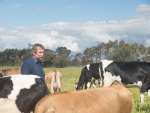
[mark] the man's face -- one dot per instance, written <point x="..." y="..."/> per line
<point x="40" y="53"/>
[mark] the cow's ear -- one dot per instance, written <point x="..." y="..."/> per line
<point x="139" y="78"/>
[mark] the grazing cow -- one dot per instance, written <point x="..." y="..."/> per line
<point x="53" y="79"/>
<point x="127" y="73"/>
<point x="112" y="99"/>
<point x="10" y="71"/>
<point x="145" y="78"/>
<point x="90" y="73"/>
<point x="21" y="93"/>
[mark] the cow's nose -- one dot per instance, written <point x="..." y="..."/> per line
<point x="142" y="90"/>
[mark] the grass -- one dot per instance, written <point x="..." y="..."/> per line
<point x="70" y="76"/>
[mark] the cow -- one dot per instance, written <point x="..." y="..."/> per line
<point x="111" y="99"/>
<point x="145" y="78"/>
<point x="53" y="80"/>
<point x="10" y="71"/>
<point x="21" y="93"/>
<point x="127" y="73"/>
<point x="90" y="73"/>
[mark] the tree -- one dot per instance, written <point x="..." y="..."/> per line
<point x="2" y="58"/>
<point x="99" y="51"/>
<point x="77" y="59"/>
<point x="60" y="61"/>
<point x="48" y="58"/>
<point x="134" y="51"/>
<point x="147" y="57"/>
<point x="142" y="51"/>
<point x="62" y="51"/>
<point x="121" y="54"/>
<point x="110" y="47"/>
<point x="122" y="43"/>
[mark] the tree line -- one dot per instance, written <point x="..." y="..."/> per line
<point x="112" y="50"/>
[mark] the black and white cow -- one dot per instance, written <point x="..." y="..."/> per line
<point x="21" y="93"/>
<point x="127" y="73"/>
<point x="89" y="74"/>
<point x="145" y="78"/>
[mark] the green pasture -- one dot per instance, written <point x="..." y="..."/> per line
<point x="70" y="76"/>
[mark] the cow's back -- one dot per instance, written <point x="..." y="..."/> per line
<point x="113" y="99"/>
<point x="21" y="91"/>
<point x="11" y="71"/>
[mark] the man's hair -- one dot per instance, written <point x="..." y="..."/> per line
<point x="34" y="48"/>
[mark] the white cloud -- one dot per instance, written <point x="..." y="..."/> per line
<point x="142" y="10"/>
<point x="79" y="36"/>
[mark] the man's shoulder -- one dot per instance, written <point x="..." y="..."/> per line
<point x="28" y="61"/>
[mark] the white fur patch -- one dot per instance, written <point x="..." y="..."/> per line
<point x="148" y="93"/>
<point x="142" y="97"/>
<point x="105" y="63"/>
<point x="88" y="66"/>
<point x="52" y="83"/>
<point x="139" y="83"/>
<point x="88" y="85"/>
<point x="58" y="81"/>
<point x="109" y="79"/>
<point x="8" y="106"/>
<point x="21" y="82"/>
<point x="101" y="79"/>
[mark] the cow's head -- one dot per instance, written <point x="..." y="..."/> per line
<point x="145" y="78"/>
<point x="78" y="87"/>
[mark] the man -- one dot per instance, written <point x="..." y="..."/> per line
<point x="33" y="65"/>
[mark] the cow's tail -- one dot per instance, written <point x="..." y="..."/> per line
<point x="58" y="80"/>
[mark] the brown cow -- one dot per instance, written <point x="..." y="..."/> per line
<point x="111" y="99"/>
<point x="53" y="79"/>
<point x="10" y="71"/>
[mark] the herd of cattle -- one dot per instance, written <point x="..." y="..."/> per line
<point x="31" y="94"/>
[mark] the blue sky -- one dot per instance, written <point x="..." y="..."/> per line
<point x="75" y="24"/>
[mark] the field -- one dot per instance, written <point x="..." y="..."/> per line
<point x="71" y="76"/>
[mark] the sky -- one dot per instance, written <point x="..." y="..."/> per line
<point x="74" y="24"/>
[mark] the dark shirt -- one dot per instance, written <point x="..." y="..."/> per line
<point x="32" y="66"/>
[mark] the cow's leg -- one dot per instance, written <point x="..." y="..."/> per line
<point x="88" y="85"/>
<point x="93" y="83"/>
<point x="100" y="82"/>
<point x="142" y="96"/>
<point x="85" y="85"/>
